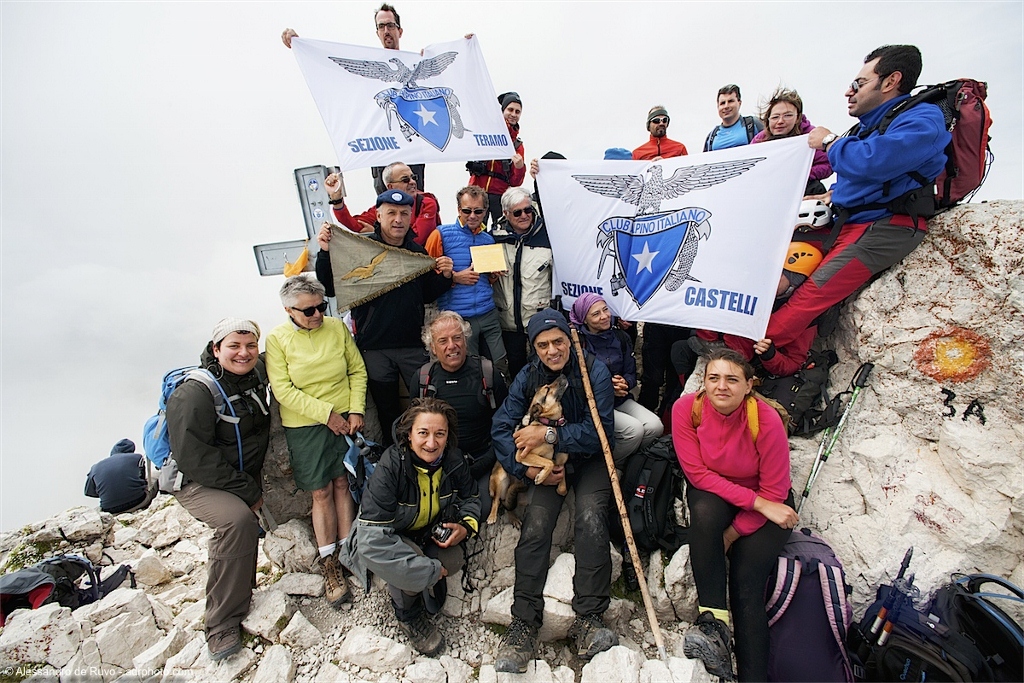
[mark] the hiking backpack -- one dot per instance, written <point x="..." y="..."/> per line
<point x="652" y="482"/>
<point x="360" y="461"/>
<point x="805" y="394"/>
<point x="959" y="636"/>
<point x="809" y="614"/>
<point x="57" y="580"/>
<point x="155" y="439"/>
<point x="427" y="387"/>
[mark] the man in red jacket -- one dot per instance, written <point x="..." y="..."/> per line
<point x="397" y="176"/>
<point x="659" y="146"/>
<point x="497" y="175"/>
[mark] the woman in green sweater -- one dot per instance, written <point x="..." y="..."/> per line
<point x="319" y="378"/>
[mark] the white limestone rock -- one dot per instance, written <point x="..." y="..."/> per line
<point x="295" y="583"/>
<point x="270" y="613"/>
<point x="276" y="666"/>
<point x="151" y="570"/>
<point x="46" y="635"/>
<point x="329" y="673"/>
<point x="426" y="671"/>
<point x="497" y="609"/>
<point x="76" y="525"/>
<point x="680" y="586"/>
<point x="164" y="527"/>
<point x="456" y="670"/>
<point x="369" y="650"/>
<point x="560" y="576"/>
<point x="688" y="671"/>
<point x="225" y="670"/>
<point x="558" y="617"/>
<point x="617" y="665"/>
<point x="300" y="633"/>
<point x="292" y="547"/>
<point x="656" y="585"/>
<point x="157" y="655"/>
<point x="81" y="666"/>
<point x="126" y="636"/>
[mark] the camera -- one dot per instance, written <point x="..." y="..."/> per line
<point x="476" y="167"/>
<point x="440" y="533"/>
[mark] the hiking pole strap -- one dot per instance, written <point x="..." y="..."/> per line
<point x="627" y="528"/>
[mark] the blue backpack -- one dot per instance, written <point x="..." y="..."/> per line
<point x="155" y="440"/>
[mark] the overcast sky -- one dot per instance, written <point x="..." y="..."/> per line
<point x="147" y="146"/>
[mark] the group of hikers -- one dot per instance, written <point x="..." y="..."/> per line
<point x="474" y="366"/>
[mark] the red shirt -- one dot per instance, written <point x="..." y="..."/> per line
<point x="423" y="223"/>
<point x="659" y="147"/>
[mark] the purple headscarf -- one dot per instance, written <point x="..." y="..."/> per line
<point x="582" y="306"/>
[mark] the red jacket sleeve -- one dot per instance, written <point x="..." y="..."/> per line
<point x="519" y="174"/>
<point x="355" y="224"/>
<point x="426" y="221"/>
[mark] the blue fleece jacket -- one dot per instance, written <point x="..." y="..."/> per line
<point x="914" y="141"/>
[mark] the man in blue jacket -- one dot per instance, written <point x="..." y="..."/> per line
<point x="120" y="481"/>
<point x="884" y="187"/>
<point x="585" y="472"/>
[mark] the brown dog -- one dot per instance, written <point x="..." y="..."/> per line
<point x="545" y="409"/>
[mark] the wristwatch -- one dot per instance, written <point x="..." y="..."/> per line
<point x="828" y="140"/>
<point x="551" y="436"/>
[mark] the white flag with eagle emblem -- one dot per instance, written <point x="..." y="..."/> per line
<point x="382" y="106"/>
<point x="696" y="241"/>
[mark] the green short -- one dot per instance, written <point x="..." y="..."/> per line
<point x="316" y="455"/>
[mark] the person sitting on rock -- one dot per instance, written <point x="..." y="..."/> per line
<point x="419" y="504"/>
<point x="740" y="504"/>
<point x="221" y="464"/>
<point x="120" y="481"/>
<point x="585" y="472"/>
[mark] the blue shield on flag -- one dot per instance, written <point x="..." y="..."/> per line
<point x="425" y="110"/>
<point x="646" y="247"/>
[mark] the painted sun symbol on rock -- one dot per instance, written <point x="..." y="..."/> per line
<point x="954" y="354"/>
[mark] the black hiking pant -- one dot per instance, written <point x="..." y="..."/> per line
<point x="751" y="560"/>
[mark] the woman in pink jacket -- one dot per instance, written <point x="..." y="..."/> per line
<point x="735" y="454"/>
<point x="783" y="117"/>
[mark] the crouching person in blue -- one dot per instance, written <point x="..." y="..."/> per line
<point x="585" y="472"/>
<point x="221" y="463"/>
<point x="419" y="505"/>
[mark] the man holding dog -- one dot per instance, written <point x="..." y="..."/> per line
<point x="585" y="472"/>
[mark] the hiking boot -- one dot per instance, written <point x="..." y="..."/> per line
<point x="708" y="641"/>
<point x="336" y="589"/>
<point x="591" y="636"/>
<point x="423" y="634"/>
<point x="517" y="647"/>
<point x="223" y="644"/>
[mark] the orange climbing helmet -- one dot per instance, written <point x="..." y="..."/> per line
<point x="803" y="258"/>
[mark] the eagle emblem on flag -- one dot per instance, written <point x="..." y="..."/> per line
<point x="654" y="247"/>
<point x="429" y="113"/>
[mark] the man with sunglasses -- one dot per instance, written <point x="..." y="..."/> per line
<point x="388" y="327"/>
<point x="884" y="188"/>
<point x="397" y="176"/>
<point x="659" y="146"/>
<point x="525" y="287"/>
<point x="735" y="130"/>
<point x="471" y="295"/>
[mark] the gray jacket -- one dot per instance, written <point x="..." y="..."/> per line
<point x="390" y="512"/>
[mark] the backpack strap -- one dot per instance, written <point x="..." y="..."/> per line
<point x="221" y="402"/>
<point x="427" y="387"/>
<point x="748" y="123"/>
<point x="753" y="420"/>
<point x="787" y="577"/>
<point x="838" y="609"/>
<point x="487" y="368"/>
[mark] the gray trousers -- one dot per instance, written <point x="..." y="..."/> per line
<point x="231" y="570"/>
<point x="408" y="604"/>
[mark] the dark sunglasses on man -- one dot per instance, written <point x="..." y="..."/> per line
<point x="475" y="212"/>
<point x="528" y="210"/>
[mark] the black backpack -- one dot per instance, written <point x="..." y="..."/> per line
<point x="960" y="636"/>
<point x="653" y="480"/>
<point x="805" y="394"/>
<point x="70" y="580"/>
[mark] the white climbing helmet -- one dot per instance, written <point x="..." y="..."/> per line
<point x="813" y="214"/>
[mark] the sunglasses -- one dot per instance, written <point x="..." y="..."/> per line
<point x="519" y="212"/>
<point x="475" y="212"/>
<point x="308" y="312"/>
<point x="857" y="84"/>
<point x="660" y="120"/>
<point x="407" y="178"/>
<point x="384" y="26"/>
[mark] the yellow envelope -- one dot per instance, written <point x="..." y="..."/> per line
<point x="489" y="258"/>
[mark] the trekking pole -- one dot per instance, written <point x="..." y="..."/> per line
<point x="623" y="515"/>
<point x="891" y="600"/>
<point x="831" y="436"/>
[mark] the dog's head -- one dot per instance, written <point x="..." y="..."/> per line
<point x="547" y="401"/>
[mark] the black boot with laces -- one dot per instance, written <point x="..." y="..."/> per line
<point x="518" y="647"/>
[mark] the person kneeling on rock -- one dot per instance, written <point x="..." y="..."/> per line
<point x="419" y="504"/>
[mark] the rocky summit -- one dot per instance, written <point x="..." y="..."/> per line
<point x="931" y="456"/>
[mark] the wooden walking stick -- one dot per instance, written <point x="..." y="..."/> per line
<point x="623" y="515"/>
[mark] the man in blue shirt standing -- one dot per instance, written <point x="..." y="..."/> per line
<point x="735" y="130"/>
<point x="884" y="187"/>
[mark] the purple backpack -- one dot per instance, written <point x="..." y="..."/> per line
<point x="808" y="613"/>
